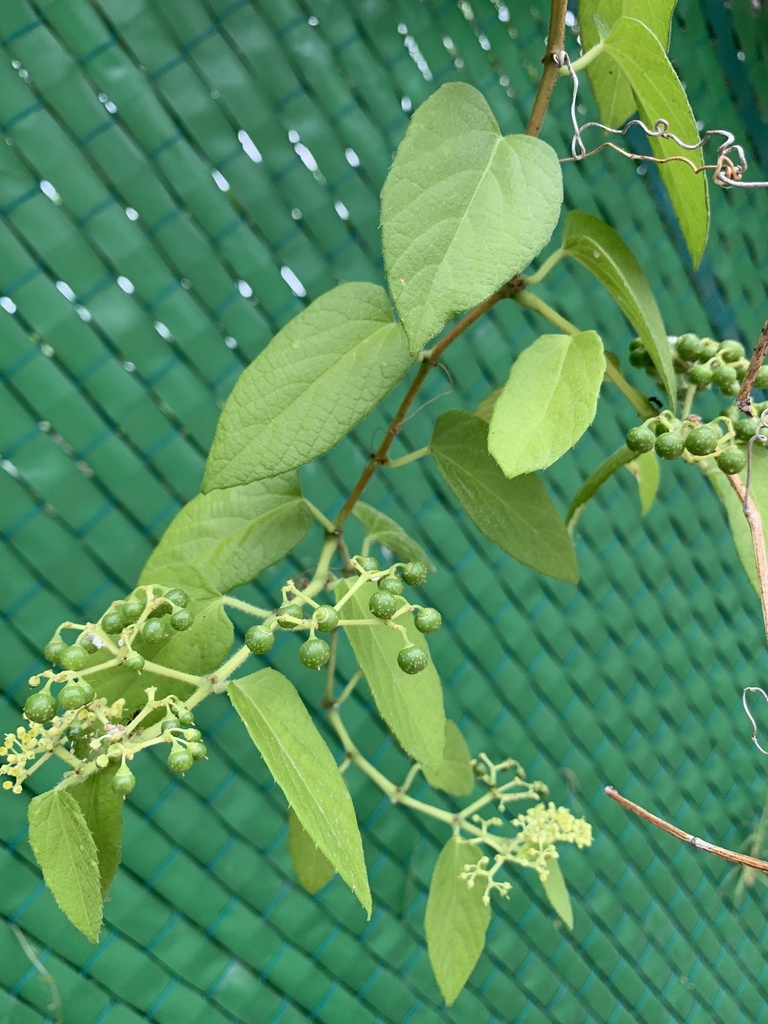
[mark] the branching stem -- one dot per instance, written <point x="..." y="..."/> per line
<point x="551" y="62"/>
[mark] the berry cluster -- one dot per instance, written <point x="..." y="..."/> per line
<point x="703" y="363"/>
<point x="721" y="440"/>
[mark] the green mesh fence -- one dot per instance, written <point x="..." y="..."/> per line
<point x="176" y="180"/>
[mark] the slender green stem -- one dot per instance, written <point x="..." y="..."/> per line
<point x="323" y="519"/>
<point x="172" y="673"/>
<point x="551" y="62"/>
<point x="690" y="394"/>
<point x="319" y="580"/>
<point x="529" y="300"/>
<point x="245" y="606"/>
<point x="220" y="679"/>
<point x="584" y="60"/>
<point x="405" y="459"/>
<point x="544" y="269"/>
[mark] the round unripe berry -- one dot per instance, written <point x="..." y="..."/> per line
<point x="295" y="612"/>
<point x="392" y="585"/>
<point x="160" y="607"/>
<point x="85" y="641"/>
<point x="731" y="390"/>
<point x="382" y="604"/>
<point x="168" y="724"/>
<point x="314" y="653"/>
<point x="259" y="640"/>
<point x="745" y="429"/>
<point x="731" y="460"/>
<point x="180" y="760"/>
<point x="131" y="610"/>
<point x="75" y="694"/>
<point x="639" y="358"/>
<point x="415" y="573"/>
<point x="761" y="380"/>
<point x="135" y="663"/>
<point x="702" y="440"/>
<point x="428" y="620"/>
<point x="74" y="658"/>
<point x="669" y="446"/>
<point x="722" y="376"/>
<point x="177" y="597"/>
<point x="181" y="620"/>
<point x="700" y="376"/>
<point x="688" y="347"/>
<point x="198" y="751"/>
<point x="53" y="650"/>
<point x="640" y="439"/>
<point x="709" y="348"/>
<point x="326" y="618"/>
<point x="124" y="782"/>
<point x="112" y="623"/>
<point x="153" y="632"/>
<point x="730" y="351"/>
<point x="412" y="660"/>
<point x="41" y="707"/>
<point x="186" y="718"/>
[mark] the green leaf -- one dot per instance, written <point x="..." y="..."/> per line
<point x="232" y="535"/>
<point x="463" y="209"/>
<point x="556" y="892"/>
<point x="456" y="919"/>
<point x="601" y="250"/>
<point x="312" y="867"/>
<point x="517" y="515"/>
<point x="198" y="650"/>
<point x="387" y="532"/>
<point x="660" y="94"/>
<point x="549" y="400"/>
<point x="611" y="89"/>
<point x="102" y="809"/>
<point x="304" y="768"/>
<point x="412" y="706"/>
<point x="645" y="469"/>
<point x="65" y="850"/>
<point x="596" y="480"/>
<point x="453" y="774"/>
<point x="758" y="490"/>
<point x="326" y="370"/>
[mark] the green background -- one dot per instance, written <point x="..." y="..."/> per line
<point x="177" y="179"/>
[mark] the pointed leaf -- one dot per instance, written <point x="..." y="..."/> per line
<point x="304" y="768"/>
<point x="611" y="89"/>
<point x="601" y="250"/>
<point x="660" y="94"/>
<point x="453" y="774"/>
<point x="102" y="809"/>
<point x="312" y="867"/>
<point x="557" y="893"/>
<point x="65" y="850"/>
<point x="645" y="469"/>
<point x="232" y="535"/>
<point x="596" y="480"/>
<point x="456" y="919"/>
<point x="758" y="490"/>
<point x="517" y="515"/>
<point x="463" y="209"/>
<point x="549" y="400"/>
<point x="412" y="706"/>
<point x="326" y="370"/>
<point x="391" y="535"/>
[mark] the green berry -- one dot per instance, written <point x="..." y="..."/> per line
<point x="198" y="751"/>
<point x="41" y="707"/>
<point x="186" y="718"/>
<point x="182" y="619"/>
<point x="75" y="694"/>
<point x="382" y="604"/>
<point x="428" y="620"/>
<point x="722" y="376"/>
<point x="415" y="573"/>
<point x="732" y="389"/>
<point x="412" y="660"/>
<point x="669" y="446"/>
<point x="761" y="380"/>
<point x="326" y="618"/>
<point x="131" y="610"/>
<point x="180" y="760"/>
<point x="53" y="650"/>
<point x="124" y="782"/>
<point x="135" y="663"/>
<point x="702" y="440"/>
<point x="168" y="724"/>
<point x="160" y="607"/>
<point x="391" y="584"/>
<point x="369" y="564"/>
<point x="259" y="640"/>
<point x="688" y="347"/>
<point x="640" y="439"/>
<point x="709" y="348"/>
<point x="153" y="632"/>
<point x="294" y="610"/>
<point x="640" y="359"/>
<point x="112" y="622"/>
<point x="314" y="653"/>
<point x="193" y="735"/>
<point x="177" y="597"/>
<point x="82" y="750"/>
<point x="745" y="429"/>
<point x="85" y="641"/>
<point x="74" y="658"/>
<point x="701" y="376"/>
<point x="730" y="351"/>
<point x="731" y="460"/>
